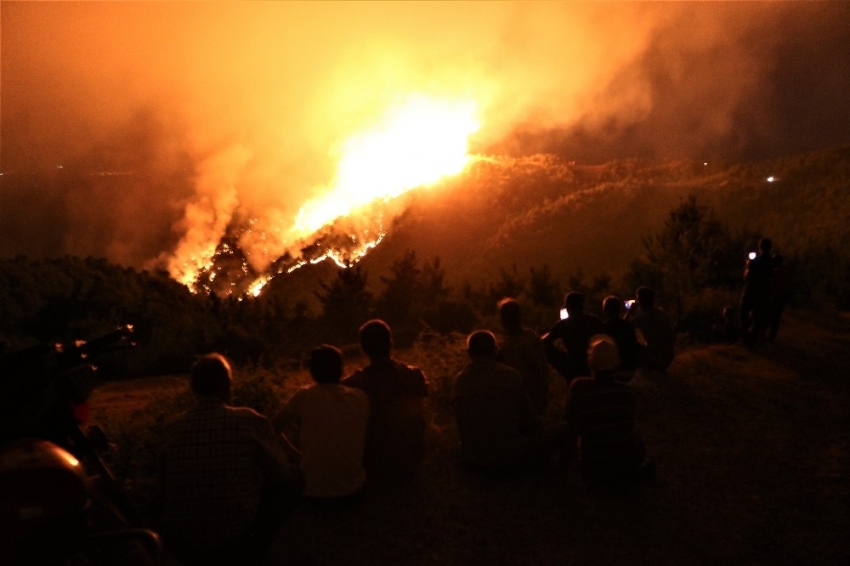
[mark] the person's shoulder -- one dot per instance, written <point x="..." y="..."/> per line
<point x="505" y="376"/>
<point x="356" y="379"/>
<point x="348" y="391"/>
<point x="560" y="326"/>
<point x="302" y="394"/>
<point x="412" y="374"/>
<point x="246" y="414"/>
<point x="407" y="368"/>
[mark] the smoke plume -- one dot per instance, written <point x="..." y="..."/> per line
<point x="147" y="132"/>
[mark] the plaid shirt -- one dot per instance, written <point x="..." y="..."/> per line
<point x="214" y="463"/>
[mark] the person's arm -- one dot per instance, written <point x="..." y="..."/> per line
<point x="287" y="416"/>
<point x="550" y="337"/>
<point x="276" y="454"/>
<point x="284" y="420"/>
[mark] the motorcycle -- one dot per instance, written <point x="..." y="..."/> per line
<point x="59" y="502"/>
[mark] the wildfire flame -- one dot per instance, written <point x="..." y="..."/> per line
<point x="416" y="144"/>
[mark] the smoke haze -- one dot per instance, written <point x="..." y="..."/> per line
<point x="172" y="120"/>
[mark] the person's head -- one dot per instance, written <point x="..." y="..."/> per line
<point x="574" y="302"/>
<point x="326" y="364"/>
<point x="510" y="314"/>
<point x="481" y="344"/>
<point x="602" y="354"/>
<point x="211" y="377"/>
<point x="612" y="306"/>
<point x="376" y="339"/>
<point x="765" y="246"/>
<point x="645" y="297"/>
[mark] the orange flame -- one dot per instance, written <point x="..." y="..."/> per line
<point x="416" y="144"/>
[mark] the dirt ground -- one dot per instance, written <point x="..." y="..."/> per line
<point x="752" y="457"/>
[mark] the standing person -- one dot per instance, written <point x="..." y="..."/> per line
<point x="523" y="350"/>
<point x="330" y="422"/>
<point x="656" y="329"/>
<point x="573" y="333"/>
<point x="395" y="438"/>
<point x="498" y="429"/>
<point x="755" y="300"/>
<point x="600" y="411"/>
<point x="623" y="333"/>
<point x="778" y="297"/>
<point x="224" y="475"/>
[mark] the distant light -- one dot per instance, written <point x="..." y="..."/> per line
<point x="771" y="179"/>
<point x="705" y="164"/>
<point x="60" y="166"/>
<point x="752" y="255"/>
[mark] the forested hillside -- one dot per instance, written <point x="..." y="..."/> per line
<point x="533" y="228"/>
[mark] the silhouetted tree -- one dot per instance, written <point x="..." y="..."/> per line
<point x="692" y="252"/>
<point x="346" y="303"/>
<point x="401" y="290"/>
<point x="510" y="283"/>
<point x="543" y="289"/>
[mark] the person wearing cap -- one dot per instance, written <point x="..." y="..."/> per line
<point x="600" y="411"/>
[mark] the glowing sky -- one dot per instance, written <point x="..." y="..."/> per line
<point x="199" y="111"/>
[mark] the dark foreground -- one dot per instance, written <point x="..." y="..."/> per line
<point x="752" y="456"/>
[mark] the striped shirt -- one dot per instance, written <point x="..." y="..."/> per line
<point x="215" y="461"/>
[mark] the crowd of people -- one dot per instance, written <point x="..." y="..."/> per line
<point x="228" y="475"/>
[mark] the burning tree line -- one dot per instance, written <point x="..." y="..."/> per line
<point x="693" y="260"/>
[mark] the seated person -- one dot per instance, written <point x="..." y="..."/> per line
<point x="224" y="475"/>
<point x="330" y="422"/>
<point x="523" y="350"/>
<point x="600" y="412"/>
<point x="573" y="333"/>
<point x="498" y="429"/>
<point x="623" y="333"/>
<point x="656" y="329"/>
<point x="395" y="437"/>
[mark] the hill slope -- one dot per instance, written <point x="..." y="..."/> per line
<point x="538" y="210"/>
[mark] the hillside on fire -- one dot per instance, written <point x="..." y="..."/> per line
<point x="592" y="219"/>
<point x="531" y="227"/>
